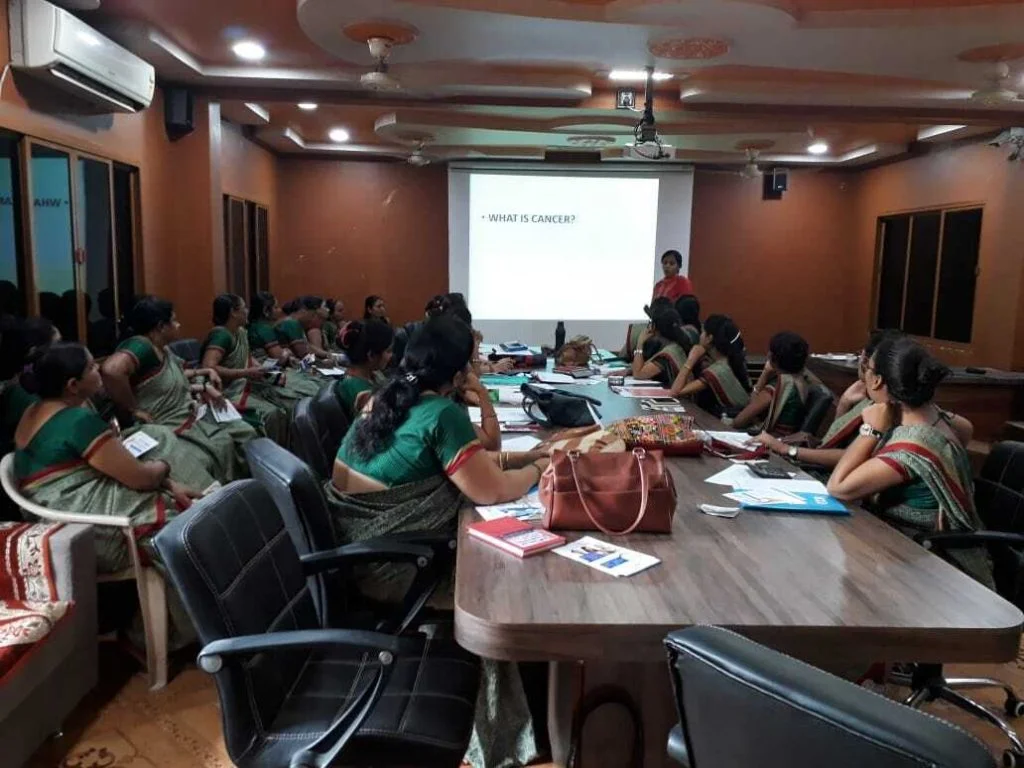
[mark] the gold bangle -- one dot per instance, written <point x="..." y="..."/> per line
<point x="502" y="456"/>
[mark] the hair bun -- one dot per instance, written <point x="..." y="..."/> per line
<point x="931" y="373"/>
<point x="350" y="334"/>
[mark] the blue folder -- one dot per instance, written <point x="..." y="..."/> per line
<point x="814" y="504"/>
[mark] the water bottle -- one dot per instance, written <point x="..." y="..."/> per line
<point x="559" y="335"/>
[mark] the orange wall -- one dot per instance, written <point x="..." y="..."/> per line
<point x="352" y="228"/>
<point x="967" y="175"/>
<point x="775" y="265"/>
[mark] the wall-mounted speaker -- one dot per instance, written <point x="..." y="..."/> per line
<point x="776" y="181"/>
<point x="179" y="112"/>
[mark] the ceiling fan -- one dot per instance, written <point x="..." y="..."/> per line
<point x="418" y="158"/>
<point x="379" y="79"/>
<point x="999" y="87"/>
<point x="751" y="169"/>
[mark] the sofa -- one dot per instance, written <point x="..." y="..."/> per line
<point x="42" y="681"/>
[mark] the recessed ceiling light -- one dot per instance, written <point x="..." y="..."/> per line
<point x="309" y="106"/>
<point x="818" y="148"/>
<point x="636" y="74"/>
<point x="339" y="135"/>
<point x="249" y="50"/>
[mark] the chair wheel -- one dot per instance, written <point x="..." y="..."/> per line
<point x="1012" y="759"/>
<point x="1014" y="707"/>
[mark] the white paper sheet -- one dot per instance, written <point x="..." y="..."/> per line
<point x="508" y="395"/>
<point x="605" y="557"/>
<point x="139" y="443"/>
<point x="739" y="440"/>
<point x="332" y="371"/>
<point x="739" y="477"/>
<point x="528" y="508"/>
<point x="506" y="415"/>
<point x="520" y="443"/>
<point x="225" y="412"/>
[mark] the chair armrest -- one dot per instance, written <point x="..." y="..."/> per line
<point x="211" y="656"/>
<point x="378" y="550"/>
<point x="677" y="747"/>
<point x="326" y="749"/>
<point x="943" y="541"/>
<point x="443" y="544"/>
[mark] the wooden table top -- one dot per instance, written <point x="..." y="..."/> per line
<point x="826" y="589"/>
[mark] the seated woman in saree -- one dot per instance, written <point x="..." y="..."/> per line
<point x="661" y="361"/>
<point x="374" y="308"/>
<point x="407" y="464"/>
<point x="19" y="339"/>
<point x="226" y="351"/>
<point x="367" y="344"/>
<point x="317" y="308"/>
<point x="913" y="454"/>
<point x="294" y="384"/>
<point x="635" y="330"/>
<point x="145" y="379"/>
<point x="715" y="372"/>
<point x="335" y="319"/>
<point x="782" y="404"/>
<point x="688" y="308"/>
<point x="68" y="458"/>
<point x="829" y="450"/>
<point x="301" y="315"/>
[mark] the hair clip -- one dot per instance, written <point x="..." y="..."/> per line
<point x="735" y="338"/>
<point x="412" y="378"/>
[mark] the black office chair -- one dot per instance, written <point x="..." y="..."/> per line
<point x="741" y="704"/>
<point x="299" y="497"/>
<point x="819" y="402"/>
<point x="188" y="350"/>
<point x="331" y="418"/>
<point x="292" y="693"/>
<point x="309" y="439"/>
<point x="999" y="498"/>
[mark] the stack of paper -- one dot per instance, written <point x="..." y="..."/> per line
<point x="607" y="558"/>
<point x="139" y="443"/>
<point x="331" y="371"/>
<point x="740" y="477"/>
<point x="739" y="440"/>
<point x="548" y="377"/>
<point x="793" y="495"/>
<point x="528" y="508"/>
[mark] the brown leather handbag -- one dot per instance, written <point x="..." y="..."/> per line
<point x="615" y="493"/>
<point x="576" y="351"/>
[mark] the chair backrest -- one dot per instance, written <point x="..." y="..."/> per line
<point x="187" y="349"/>
<point x="300" y="500"/>
<point x="306" y="442"/>
<point x="743" y="704"/>
<point x="999" y="499"/>
<point x="237" y="572"/>
<point x="332" y="420"/>
<point x="819" y="401"/>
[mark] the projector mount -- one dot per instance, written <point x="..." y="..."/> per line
<point x="646" y="131"/>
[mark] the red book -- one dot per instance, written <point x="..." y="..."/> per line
<point x="515" y="537"/>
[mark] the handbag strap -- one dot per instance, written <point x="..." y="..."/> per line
<point x="639" y="454"/>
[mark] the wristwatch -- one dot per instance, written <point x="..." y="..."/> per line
<point x="866" y="430"/>
<point x="792" y="452"/>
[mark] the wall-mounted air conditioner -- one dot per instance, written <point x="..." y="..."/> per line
<point x="51" y="43"/>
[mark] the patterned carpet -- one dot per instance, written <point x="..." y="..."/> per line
<point x="122" y="725"/>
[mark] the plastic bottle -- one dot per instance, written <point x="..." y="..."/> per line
<point x="559" y="335"/>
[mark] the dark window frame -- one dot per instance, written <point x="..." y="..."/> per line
<point x="907" y="219"/>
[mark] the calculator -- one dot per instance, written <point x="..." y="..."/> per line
<point x="770" y="472"/>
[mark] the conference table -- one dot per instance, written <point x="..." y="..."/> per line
<point x="840" y="592"/>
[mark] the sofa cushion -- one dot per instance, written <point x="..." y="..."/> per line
<point x="23" y="625"/>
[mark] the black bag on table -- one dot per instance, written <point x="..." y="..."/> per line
<point x="557" y="407"/>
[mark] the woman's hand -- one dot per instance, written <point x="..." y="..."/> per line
<point x="183" y="495"/>
<point x="878" y="416"/>
<point x="211" y="394"/>
<point x="255" y="373"/>
<point x="697" y="353"/>
<point x="143" y="416"/>
<point x="504" y="365"/>
<point x="214" y="378"/>
<point x="772" y="443"/>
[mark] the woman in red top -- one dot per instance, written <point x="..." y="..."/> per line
<point x="674" y="285"/>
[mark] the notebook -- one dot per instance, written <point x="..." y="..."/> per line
<point x="789" y="501"/>
<point x="514" y="536"/>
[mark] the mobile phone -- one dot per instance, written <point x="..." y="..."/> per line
<point x="715" y="511"/>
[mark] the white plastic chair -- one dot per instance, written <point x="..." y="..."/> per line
<point x="149" y="582"/>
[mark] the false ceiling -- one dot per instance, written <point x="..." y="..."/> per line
<point x="517" y="78"/>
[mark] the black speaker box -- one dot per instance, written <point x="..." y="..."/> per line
<point x="179" y="112"/>
<point x="776" y="181"/>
